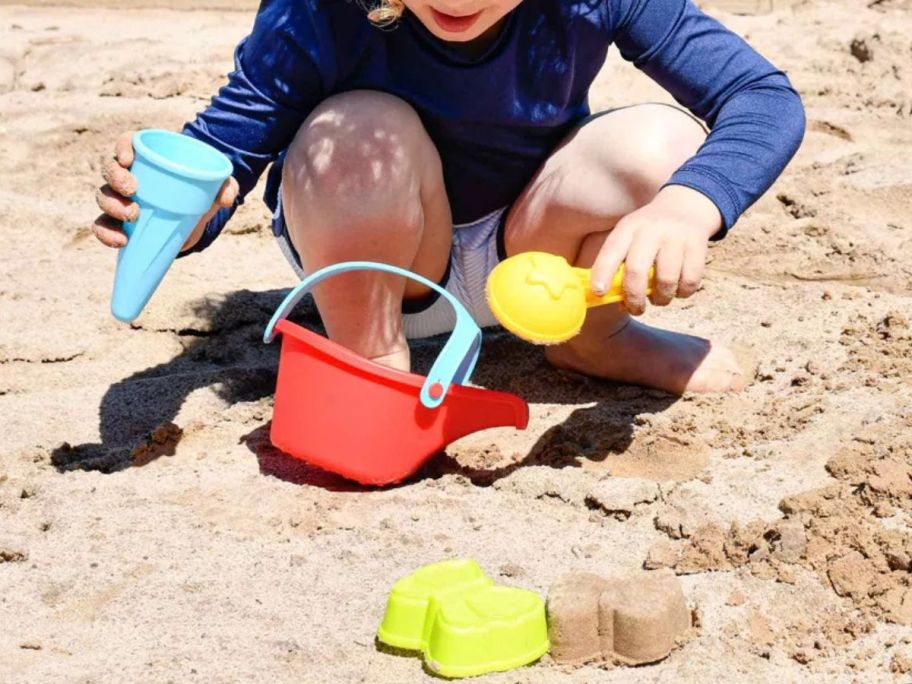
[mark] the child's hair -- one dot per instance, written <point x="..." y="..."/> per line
<point x="385" y="12"/>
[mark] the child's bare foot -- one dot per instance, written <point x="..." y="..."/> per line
<point x="616" y="347"/>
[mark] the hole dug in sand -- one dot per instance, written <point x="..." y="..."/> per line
<point x="629" y="621"/>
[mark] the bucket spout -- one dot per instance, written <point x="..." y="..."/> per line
<point x="471" y="410"/>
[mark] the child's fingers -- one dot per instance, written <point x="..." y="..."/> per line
<point x="640" y="259"/>
<point x="121" y="181"/>
<point x="692" y="270"/>
<point x="109" y="231"/>
<point x="669" y="263"/>
<point x="116" y="205"/>
<point x="228" y="193"/>
<point x="610" y="257"/>
<point x="123" y="150"/>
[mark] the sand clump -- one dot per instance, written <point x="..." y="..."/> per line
<point x="880" y="349"/>
<point x="620" y="497"/>
<point x="837" y="531"/>
<point x="13" y="555"/>
<point x="162" y="441"/>
<point x="630" y="620"/>
<point x="901" y="664"/>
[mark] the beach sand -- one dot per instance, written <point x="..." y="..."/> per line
<point x="149" y="532"/>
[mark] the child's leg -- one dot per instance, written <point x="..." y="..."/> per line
<point x="363" y="181"/>
<point x="610" y="166"/>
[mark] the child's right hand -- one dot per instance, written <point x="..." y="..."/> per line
<point x="114" y="198"/>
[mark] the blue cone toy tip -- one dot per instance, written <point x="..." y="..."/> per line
<point x="178" y="179"/>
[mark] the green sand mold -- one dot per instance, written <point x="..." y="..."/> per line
<point x="462" y="623"/>
<point x="406" y="623"/>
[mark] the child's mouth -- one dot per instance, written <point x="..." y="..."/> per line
<point x="453" y="24"/>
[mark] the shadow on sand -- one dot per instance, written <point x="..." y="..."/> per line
<point x="226" y="353"/>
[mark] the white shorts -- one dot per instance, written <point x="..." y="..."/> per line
<point x="477" y="249"/>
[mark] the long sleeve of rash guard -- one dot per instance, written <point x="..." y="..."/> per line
<point x="755" y="117"/>
<point x="279" y="76"/>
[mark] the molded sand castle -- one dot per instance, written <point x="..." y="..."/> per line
<point x="630" y="620"/>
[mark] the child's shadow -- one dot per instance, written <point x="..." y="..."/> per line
<point x="227" y="353"/>
<point x="601" y="426"/>
<point x="224" y="351"/>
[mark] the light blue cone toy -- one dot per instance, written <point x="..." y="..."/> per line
<point x="179" y="178"/>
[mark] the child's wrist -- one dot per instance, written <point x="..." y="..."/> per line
<point x="692" y="207"/>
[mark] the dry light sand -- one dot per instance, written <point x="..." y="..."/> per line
<point x="148" y="532"/>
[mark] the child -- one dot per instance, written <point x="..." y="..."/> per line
<point x="443" y="135"/>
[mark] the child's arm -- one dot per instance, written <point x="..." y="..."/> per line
<point x="757" y="123"/>
<point x="279" y="77"/>
<point x="253" y="118"/>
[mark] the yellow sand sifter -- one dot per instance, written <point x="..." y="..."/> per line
<point x="543" y="299"/>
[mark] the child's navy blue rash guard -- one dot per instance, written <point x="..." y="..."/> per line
<point x="495" y="118"/>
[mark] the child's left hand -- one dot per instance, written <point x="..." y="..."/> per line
<point x="672" y="232"/>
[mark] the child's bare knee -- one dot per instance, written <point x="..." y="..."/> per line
<point x="666" y="138"/>
<point x="361" y="154"/>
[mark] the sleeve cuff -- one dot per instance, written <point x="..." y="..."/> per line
<point x="715" y="187"/>
<point x="211" y="231"/>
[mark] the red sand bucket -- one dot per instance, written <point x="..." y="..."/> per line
<point x="372" y="424"/>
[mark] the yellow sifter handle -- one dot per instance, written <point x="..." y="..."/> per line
<point x="615" y="292"/>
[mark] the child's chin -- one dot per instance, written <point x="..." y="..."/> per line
<point x="466" y="37"/>
<point x="461" y="38"/>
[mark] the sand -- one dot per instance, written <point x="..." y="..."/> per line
<point x="149" y="532"/>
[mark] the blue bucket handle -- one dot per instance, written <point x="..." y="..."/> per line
<point x="456" y="360"/>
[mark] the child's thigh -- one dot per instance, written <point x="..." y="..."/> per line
<point x="610" y="165"/>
